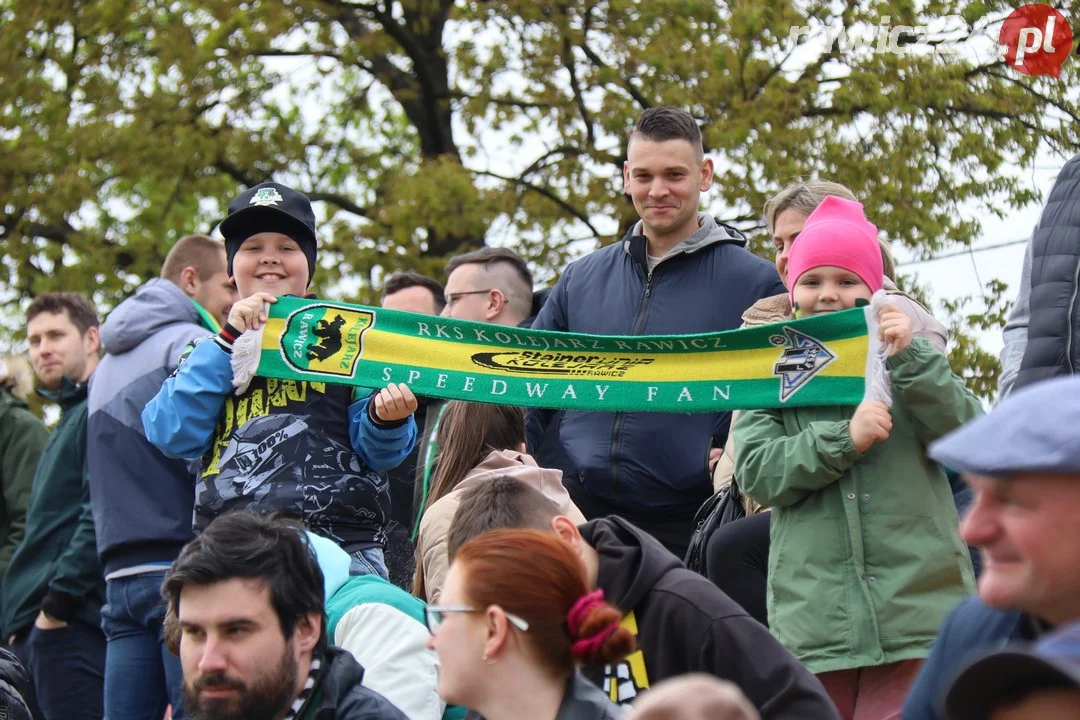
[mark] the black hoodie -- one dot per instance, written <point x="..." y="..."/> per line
<point x="686" y="624"/>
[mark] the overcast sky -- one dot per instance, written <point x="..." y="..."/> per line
<point x="959" y="276"/>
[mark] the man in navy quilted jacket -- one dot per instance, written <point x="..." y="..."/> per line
<point x="676" y="272"/>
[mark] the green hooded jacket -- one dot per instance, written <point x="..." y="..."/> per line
<point x="22" y="436"/>
<point x="866" y="560"/>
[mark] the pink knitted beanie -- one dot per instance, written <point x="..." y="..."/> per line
<point x="837" y="233"/>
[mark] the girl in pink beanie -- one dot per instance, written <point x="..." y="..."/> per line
<point x="865" y="558"/>
<point x="837" y="240"/>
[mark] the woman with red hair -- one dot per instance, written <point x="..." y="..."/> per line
<point x="515" y="618"/>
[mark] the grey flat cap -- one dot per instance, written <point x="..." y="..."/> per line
<point x="1036" y="429"/>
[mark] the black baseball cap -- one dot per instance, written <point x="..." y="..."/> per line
<point x="270" y="207"/>
<point x="1008" y="676"/>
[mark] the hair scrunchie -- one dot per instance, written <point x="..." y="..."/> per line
<point x="584" y="648"/>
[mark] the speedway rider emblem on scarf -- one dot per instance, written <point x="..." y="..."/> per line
<point x="833" y="359"/>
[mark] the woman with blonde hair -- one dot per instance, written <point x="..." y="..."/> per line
<point x="515" y="621"/>
<point x="477" y="442"/>
<point x="22" y="437"/>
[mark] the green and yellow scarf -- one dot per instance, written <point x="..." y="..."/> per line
<point x="833" y="359"/>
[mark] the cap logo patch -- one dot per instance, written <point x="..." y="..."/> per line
<point x="267" y="196"/>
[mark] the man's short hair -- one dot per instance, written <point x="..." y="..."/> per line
<point x="501" y="503"/>
<point x="494" y="256"/>
<point x="410" y="278"/>
<point x="511" y="267"/>
<point x="201" y="252"/>
<point x="78" y="308"/>
<point x="668" y="123"/>
<point x="251" y="546"/>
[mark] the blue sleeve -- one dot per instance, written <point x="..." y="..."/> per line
<point x="924" y="697"/>
<point x="180" y="419"/>
<point x="774" y="284"/>
<point x="553" y="315"/>
<point x="381" y="447"/>
<point x="766" y="281"/>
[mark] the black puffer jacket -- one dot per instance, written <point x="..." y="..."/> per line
<point x="13" y="683"/>
<point x="341" y="695"/>
<point x="1053" y="339"/>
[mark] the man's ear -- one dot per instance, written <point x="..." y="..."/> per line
<point x="306" y="632"/>
<point x="496" y="302"/>
<point x="189" y="281"/>
<point x="92" y="339"/>
<point x="626" y="176"/>
<point x="565" y="528"/>
<point x="706" y="174"/>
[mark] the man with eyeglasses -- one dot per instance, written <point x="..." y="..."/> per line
<point x="494" y="285"/>
<point x="490" y="285"/>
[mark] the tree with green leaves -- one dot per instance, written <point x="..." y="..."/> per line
<point x="422" y="128"/>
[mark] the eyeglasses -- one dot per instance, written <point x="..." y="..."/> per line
<point x="452" y="298"/>
<point x="433" y="616"/>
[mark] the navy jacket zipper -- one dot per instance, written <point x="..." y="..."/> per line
<point x="639" y="324"/>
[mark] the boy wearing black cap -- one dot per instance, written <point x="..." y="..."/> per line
<point x="307" y="449"/>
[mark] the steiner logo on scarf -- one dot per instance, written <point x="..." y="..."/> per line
<point x="325" y="338"/>
<point x="530" y="362"/>
<point x="833" y="359"/>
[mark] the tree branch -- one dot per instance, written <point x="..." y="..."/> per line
<point x="341" y="201"/>
<point x="315" y="196"/>
<point x="501" y="101"/>
<point x="561" y="150"/>
<point x="60" y="233"/>
<point x="271" y="52"/>
<point x="1049" y="101"/>
<point x="831" y="54"/>
<point x="235" y="173"/>
<point x="570" y="63"/>
<point x="595" y="59"/>
<point x="545" y="193"/>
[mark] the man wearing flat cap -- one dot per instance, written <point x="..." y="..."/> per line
<point x="1042" y="682"/>
<point x="1023" y="462"/>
